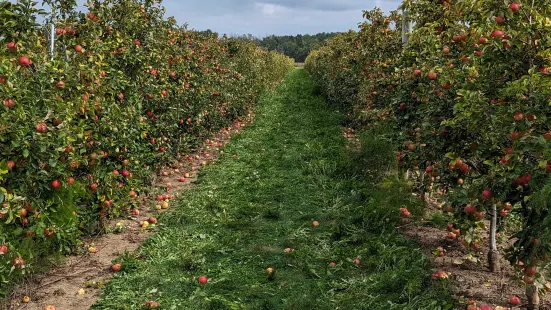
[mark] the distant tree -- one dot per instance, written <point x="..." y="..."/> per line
<point x="298" y="46"/>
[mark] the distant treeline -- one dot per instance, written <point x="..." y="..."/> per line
<point x="297" y="46"/>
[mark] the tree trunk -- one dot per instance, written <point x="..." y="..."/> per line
<point x="533" y="297"/>
<point x="493" y="254"/>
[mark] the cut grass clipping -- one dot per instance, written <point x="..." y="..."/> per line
<point x="255" y="211"/>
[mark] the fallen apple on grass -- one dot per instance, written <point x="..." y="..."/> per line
<point x="116" y="267"/>
<point x="203" y="280"/>
<point x="151" y="304"/>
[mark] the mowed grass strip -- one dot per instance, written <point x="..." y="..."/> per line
<point x="291" y="168"/>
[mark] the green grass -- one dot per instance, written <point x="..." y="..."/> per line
<point x="292" y="168"/>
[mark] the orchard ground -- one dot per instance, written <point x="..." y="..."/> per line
<point x="248" y="224"/>
<point x="298" y="212"/>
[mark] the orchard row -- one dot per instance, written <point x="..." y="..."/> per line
<point x="470" y="95"/>
<point x="127" y="91"/>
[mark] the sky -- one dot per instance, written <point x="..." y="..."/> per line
<point x="266" y="17"/>
<point x="280" y="17"/>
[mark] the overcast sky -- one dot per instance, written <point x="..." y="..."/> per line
<point x="266" y="17"/>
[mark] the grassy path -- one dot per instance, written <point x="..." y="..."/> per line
<point x="291" y="168"/>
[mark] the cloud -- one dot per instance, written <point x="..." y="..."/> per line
<point x="269" y="9"/>
<point x="266" y="17"/>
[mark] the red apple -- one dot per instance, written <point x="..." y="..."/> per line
<point x="470" y="209"/>
<point x="49" y="232"/>
<point x="78" y="48"/>
<point x="514" y="7"/>
<point x="18" y="262"/>
<point x="500" y="19"/>
<point x="9" y="103"/>
<point x="530" y="270"/>
<point x="487" y="194"/>
<point x="116" y="267"/>
<point x="24" y="61"/>
<point x="440" y="275"/>
<point x="41" y="128"/>
<point x="497" y="33"/>
<point x="203" y="280"/>
<point x="518" y="116"/>
<point x="55" y="184"/>
<point x="514" y="300"/>
<point x="12" y="46"/>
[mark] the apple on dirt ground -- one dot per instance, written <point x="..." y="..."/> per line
<point x="514" y="300"/>
<point x="439" y="275"/>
